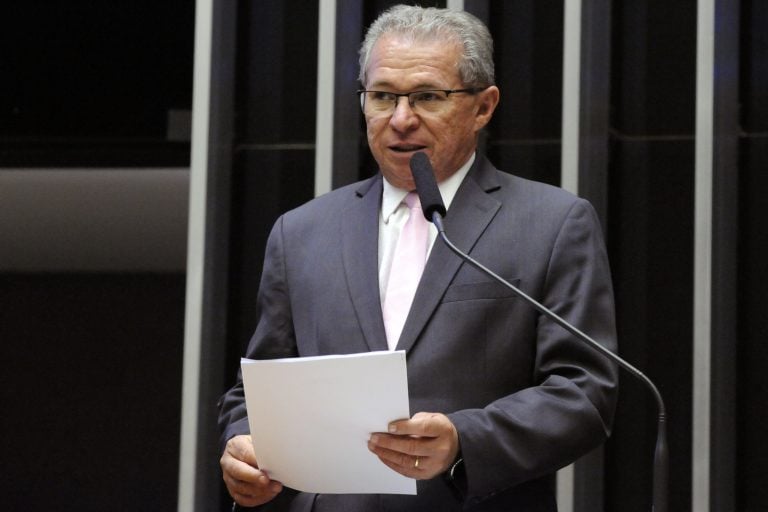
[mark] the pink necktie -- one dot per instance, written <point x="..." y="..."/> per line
<point x="407" y="266"/>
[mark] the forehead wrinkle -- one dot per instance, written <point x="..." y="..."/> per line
<point x="413" y="77"/>
<point x="397" y="60"/>
<point x="389" y="87"/>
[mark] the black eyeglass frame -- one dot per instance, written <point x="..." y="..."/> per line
<point x="398" y="95"/>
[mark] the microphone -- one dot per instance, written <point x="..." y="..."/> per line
<point x="426" y="186"/>
<point x="434" y="210"/>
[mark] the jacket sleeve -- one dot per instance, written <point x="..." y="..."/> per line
<point x="569" y="408"/>
<point x="274" y="336"/>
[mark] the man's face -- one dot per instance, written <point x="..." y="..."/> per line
<point x="448" y="137"/>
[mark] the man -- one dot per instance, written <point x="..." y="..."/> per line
<point x="505" y="396"/>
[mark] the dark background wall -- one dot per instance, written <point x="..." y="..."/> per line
<point x="94" y="155"/>
<point x="92" y="83"/>
<point x="92" y="379"/>
<point x="752" y="298"/>
<point x="90" y="390"/>
<point x="650" y="237"/>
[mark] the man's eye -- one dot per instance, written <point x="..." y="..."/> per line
<point x="426" y="97"/>
<point x="382" y="96"/>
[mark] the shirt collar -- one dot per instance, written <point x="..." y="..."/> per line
<point x="393" y="196"/>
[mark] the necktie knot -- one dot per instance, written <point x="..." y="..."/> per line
<point x="412" y="201"/>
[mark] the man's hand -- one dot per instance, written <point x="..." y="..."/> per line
<point x="247" y="485"/>
<point x="420" y="448"/>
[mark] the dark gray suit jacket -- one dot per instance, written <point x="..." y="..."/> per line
<point x="525" y="396"/>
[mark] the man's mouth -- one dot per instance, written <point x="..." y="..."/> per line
<point x="406" y="148"/>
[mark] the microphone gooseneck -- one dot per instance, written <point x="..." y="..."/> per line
<point x="434" y="210"/>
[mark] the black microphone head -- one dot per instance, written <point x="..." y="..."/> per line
<point x="426" y="186"/>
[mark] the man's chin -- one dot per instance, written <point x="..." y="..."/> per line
<point x="400" y="179"/>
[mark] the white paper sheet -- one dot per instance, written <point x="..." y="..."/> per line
<point x="311" y="419"/>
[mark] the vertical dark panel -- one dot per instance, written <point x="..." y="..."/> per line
<point x="263" y="104"/>
<point x="215" y="288"/>
<point x="349" y="143"/>
<point x="752" y="357"/>
<point x="650" y="239"/>
<point x="276" y="73"/>
<point x="752" y="387"/>
<point x="524" y="135"/>
<point x="654" y="62"/>
<point x="724" y="254"/>
<point x="268" y="183"/>
<point x="373" y="8"/>
<point x="594" y="103"/>
<point x="273" y="168"/>
<point x="754" y="66"/>
<point x="650" y="245"/>
<point x="479" y="8"/>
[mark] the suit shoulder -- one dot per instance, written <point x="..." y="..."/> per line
<point x="528" y="186"/>
<point x="542" y="195"/>
<point x="333" y="201"/>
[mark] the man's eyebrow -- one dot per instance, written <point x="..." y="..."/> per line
<point x="424" y="86"/>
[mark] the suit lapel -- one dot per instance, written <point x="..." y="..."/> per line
<point x="471" y="211"/>
<point x="360" y="253"/>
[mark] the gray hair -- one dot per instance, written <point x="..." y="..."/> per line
<point x="425" y="24"/>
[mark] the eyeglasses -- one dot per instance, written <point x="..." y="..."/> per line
<point x="378" y="103"/>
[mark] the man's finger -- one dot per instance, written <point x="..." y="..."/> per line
<point x="422" y="424"/>
<point x="241" y="448"/>
<point x="409" y="445"/>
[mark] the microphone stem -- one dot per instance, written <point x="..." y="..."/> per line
<point x="661" y="457"/>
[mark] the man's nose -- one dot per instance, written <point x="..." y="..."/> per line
<point x="403" y="117"/>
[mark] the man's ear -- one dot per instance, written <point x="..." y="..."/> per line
<point x="488" y="99"/>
